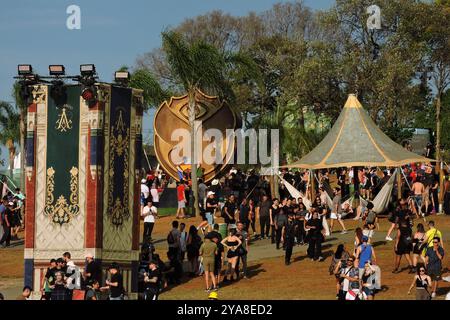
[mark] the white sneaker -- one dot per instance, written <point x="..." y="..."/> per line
<point x="388" y="239"/>
<point x="446" y="279"/>
<point x="344" y="231"/>
<point x="433" y="295"/>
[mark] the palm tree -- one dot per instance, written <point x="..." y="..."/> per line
<point x="9" y="130"/>
<point x="201" y="66"/>
<point x="22" y="106"/>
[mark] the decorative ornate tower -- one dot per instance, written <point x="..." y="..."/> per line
<point x="82" y="183"/>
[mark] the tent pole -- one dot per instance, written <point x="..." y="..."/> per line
<point x="399" y="183"/>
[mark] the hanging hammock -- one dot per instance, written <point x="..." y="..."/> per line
<point x="296" y="194"/>
<point x="381" y="201"/>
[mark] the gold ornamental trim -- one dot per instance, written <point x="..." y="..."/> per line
<point x="61" y="211"/>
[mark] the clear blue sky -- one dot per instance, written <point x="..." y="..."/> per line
<point x="113" y="33"/>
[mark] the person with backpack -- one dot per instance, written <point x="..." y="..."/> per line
<point x="174" y="253"/>
<point x="364" y="253"/>
<point x="403" y="246"/>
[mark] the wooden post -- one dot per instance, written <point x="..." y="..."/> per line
<point x="313" y="185"/>
<point x="399" y="183"/>
<point x="441" y="188"/>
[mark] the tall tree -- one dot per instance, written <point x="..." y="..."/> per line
<point x="9" y="131"/>
<point x="198" y="65"/>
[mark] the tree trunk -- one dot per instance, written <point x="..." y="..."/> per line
<point x="438" y="149"/>
<point x="12" y="154"/>
<point x="23" y="117"/>
<point x="193" y="152"/>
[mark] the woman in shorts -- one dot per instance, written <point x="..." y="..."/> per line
<point x="418" y="239"/>
<point x="232" y="243"/>
<point x="422" y="281"/>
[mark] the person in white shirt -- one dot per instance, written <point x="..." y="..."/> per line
<point x="150" y="212"/>
<point x="155" y="195"/>
<point x="145" y="192"/>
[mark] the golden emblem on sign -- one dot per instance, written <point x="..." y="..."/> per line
<point x="62" y="212"/>
<point x="213" y="114"/>
<point x="119" y="147"/>
<point x="63" y="123"/>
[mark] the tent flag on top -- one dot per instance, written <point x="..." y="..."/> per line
<point x="355" y="140"/>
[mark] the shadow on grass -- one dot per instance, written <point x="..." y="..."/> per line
<point x="378" y="243"/>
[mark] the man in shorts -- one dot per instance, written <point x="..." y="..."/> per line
<point x="336" y="211"/>
<point x="433" y="261"/>
<point x="181" y="197"/>
<point x="208" y="252"/>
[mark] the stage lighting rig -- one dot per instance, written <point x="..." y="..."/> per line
<point x="122" y="78"/>
<point x="57" y="70"/>
<point x="26" y="80"/>
<point x="87" y="79"/>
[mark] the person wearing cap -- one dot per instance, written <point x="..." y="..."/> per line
<point x="210" y="208"/>
<point x="207" y="252"/>
<point x="92" y="270"/>
<point x="7" y="224"/>
<point x="115" y="283"/>
<point x="49" y="279"/>
<point x="364" y="253"/>
<point x="152" y="280"/>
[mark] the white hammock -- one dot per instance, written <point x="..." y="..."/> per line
<point x="381" y="200"/>
<point x="297" y="194"/>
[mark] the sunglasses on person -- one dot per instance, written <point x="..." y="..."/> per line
<point x="349" y="260"/>
<point x="435" y="241"/>
<point x="422" y="270"/>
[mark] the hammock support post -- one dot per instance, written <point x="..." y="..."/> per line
<point x="441" y="188"/>
<point x="313" y="185"/>
<point x="399" y="183"/>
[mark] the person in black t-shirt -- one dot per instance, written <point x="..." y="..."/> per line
<point x="93" y="270"/>
<point x="49" y="279"/>
<point x="152" y="281"/>
<point x="289" y="231"/>
<point x="314" y="227"/>
<point x="230" y="210"/>
<point x="115" y="284"/>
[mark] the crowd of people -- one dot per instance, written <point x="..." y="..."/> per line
<point x="11" y="218"/>
<point x="251" y="212"/>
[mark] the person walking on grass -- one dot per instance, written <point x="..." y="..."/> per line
<point x="193" y="246"/>
<point x="243" y="249"/>
<point x="403" y="246"/>
<point x="150" y="213"/>
<point x="422" y="282"/>
<point x="263" y="211"/>
<point x="433" y="260"/>
<point x="418" y="241"/>
<point x="315" y="236"/>
<point x="288" y="234"/>
<point x="364" y="253"/>
<point x="208" y="251"/>
<point x="232" y="242"/>
<point x="181" y="198"/>
<point x="336" y="211"/>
